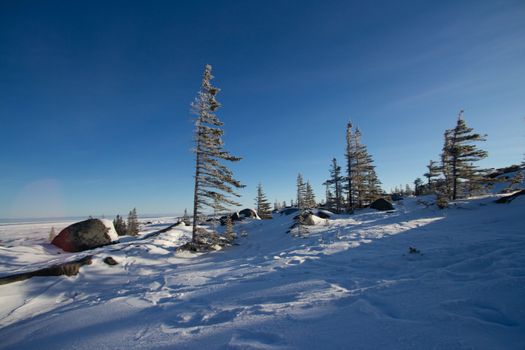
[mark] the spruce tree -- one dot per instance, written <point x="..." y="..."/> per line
<point x="408" y="190"/>
<point x="418" y="183"/>
<point x="186" y="218"/>
<point x="372" y="183"/>
<point x="444" y="190"/>
<point x="230" y="233"/>
<point x="336" y="182"/>
<point x="329" y="198"/>
<point x="517" y="181"/>
<point x="433" y="171"/>
<point x="461" y="153"/>
<point x="362" y="183"/>
<point x="350" y="170"/>
<point x="310" y="202"/>
<point x="52" y="234"/>
<point x="261" y="204"/>
<point x="133" y="223"/>
<point x="214" y="182"/>
<point x="361" y="170"/>
<point x="301" y="192"/>
<point x="120" y="226"/>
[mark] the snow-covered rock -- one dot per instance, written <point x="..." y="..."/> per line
<point x="248" y="213"/>
<point x="381" y="204"/>
<point x="312" y="220"/>
<point x="349" y="282"/>
<point x="84" y="235"/>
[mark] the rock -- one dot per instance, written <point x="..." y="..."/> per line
<point x="84" y="235"/>
<point x="248" y="213"/>
<point x="110" y="261"/>
<point x="382" y="205"/>
<point x="308" y="219"/>
<point x="312" y="220"/>
<point x="236" y="217"/>
<point x="206" y="241"/>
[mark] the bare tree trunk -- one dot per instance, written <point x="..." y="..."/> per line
<point x="196" y="194"/>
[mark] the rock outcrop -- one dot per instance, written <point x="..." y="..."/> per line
<point x="84" y="235"/>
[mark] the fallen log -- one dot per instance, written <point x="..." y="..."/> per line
<point x="70" y="268"/>
<point x="508" y="199"/>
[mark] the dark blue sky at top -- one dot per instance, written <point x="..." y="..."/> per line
<point x="95" y="95"/>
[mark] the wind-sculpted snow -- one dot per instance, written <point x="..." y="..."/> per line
<point x="348" y="282"/>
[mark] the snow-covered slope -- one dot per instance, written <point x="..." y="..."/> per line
<point x="500" y="186"/>
<point x="347" y="283"/>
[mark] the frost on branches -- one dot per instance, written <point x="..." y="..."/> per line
<point x="214" y="182"/>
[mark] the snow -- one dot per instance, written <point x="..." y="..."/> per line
<point x="349" y="282"/>
<point x="501" y="186"/>
<point x="112" y="233"/>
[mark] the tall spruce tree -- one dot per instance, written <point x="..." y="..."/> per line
<point x="329" y="198"/>
<point x="310" y="202"/>
<point x="214" y="182"/>
<point x="418" y="183"/>
<point x="336" y="182"/>
<point x="460" y="155"/>
<point x="373" y="185"/>
<point x="362" y="184"/>
<point x="301" y="192"/>
<point x="444" y="190"/>
<point x="350" y="171"/>
<point x="262" y="205"/>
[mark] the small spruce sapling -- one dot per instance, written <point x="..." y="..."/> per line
<point x="230" y="233"/>
<point x="52" y="234"/>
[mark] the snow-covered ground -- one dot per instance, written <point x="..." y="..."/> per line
<point x="348" y="283"/>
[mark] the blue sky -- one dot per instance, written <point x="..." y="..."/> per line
<point x="95" y="95"/>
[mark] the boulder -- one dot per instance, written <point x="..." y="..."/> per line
<point x="84" y="235"/>
<point x="235" y="216"/>
<point x="382" y="205"/>
<point x="248" y="213"/>
<point x="308" y="218"/>
<point x="110" y="261"/>
<point x="303" y="214"/>
<point x="312" y="220"/>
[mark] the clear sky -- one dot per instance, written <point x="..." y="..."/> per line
<point x="95" y="95"/>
